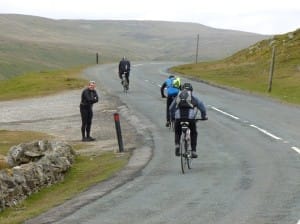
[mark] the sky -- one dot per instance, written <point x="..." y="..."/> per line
<point x="257" y="16"/>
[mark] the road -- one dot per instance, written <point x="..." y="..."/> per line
<point x="247" y="170"/>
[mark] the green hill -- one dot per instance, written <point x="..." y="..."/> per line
<point x="249" y="68"/>
<point x="30" y="43"/>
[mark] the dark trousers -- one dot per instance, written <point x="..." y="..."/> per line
<point x="169" y="101"/>
<point x="86" y="118"/>
<point x="194" y="133"/>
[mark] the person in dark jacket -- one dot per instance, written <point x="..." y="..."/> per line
<point x="89" y="96"/>
<point x="124" y="67"/>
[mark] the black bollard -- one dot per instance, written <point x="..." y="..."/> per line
<point x="118" y="130"/>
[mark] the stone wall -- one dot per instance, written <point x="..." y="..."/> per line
<point x="33" y="165"/>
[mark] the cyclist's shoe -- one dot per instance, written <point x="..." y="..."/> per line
<point x="168" y="124"/>
<point x="194" y="154"/>
<point x="177" y="153"/>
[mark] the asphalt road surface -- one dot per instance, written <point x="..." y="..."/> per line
<point x="247" y="170"/>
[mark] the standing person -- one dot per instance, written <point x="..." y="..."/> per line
<point x="173" y="86"/>
<point x="89" y="96"/>
<point x="183" y="109"/>
<point x="124" y="67"/>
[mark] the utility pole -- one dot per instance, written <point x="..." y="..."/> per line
<point x="197" y="48"/>
<point x="271" y="70"/>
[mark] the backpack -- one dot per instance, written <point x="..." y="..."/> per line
<point x="176" y="82"/>
<point x="173" y="85"/>
<point x="184" y="99"/>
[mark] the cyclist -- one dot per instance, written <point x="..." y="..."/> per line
<point x="183" y="108"/>
<point x="173" y="86"/>
<point x="124" y="67"/>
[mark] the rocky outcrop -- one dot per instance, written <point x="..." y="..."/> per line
<point x="33" y="165"/>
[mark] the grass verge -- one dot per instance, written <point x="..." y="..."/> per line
<point x="85" y="172"/>
<point x="249" y="68"/>
<point x="41" y="83"/>
<point x="248" y="77"/>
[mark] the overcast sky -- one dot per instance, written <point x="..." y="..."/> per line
<point x="258" y="16"/>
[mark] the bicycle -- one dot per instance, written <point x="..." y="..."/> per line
<point x="185" y="146"/>
<point x="124" y="83"/>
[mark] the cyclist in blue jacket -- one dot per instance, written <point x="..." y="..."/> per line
<point x="183" y="108"/>
<point x="172" y="84"/>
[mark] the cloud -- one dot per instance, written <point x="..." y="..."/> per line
<point x="260" y="16"/>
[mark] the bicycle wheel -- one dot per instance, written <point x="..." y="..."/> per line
<point x="183" y="157"/>
<point x="189" y="158"/>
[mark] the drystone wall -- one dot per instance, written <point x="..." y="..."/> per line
<point x="33" y="166"/>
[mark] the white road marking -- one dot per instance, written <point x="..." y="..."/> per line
<point x="265" y="132"/>
<point x="297" y="150"/>
<point x="137" y="65"/>
<point x="257" y="128"/>
<point x="227" y="114"/>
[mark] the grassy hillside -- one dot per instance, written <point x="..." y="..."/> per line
<point x="29" y="43"/>
<point x="249" y="68"/>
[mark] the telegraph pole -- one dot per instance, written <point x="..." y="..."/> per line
<point x="271" y="70"/>
<point x="197" y="48"/>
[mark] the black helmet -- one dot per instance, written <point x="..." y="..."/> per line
<point x="187" y="86"/>
<point x="171" y="76"/>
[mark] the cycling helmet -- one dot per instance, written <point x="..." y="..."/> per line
<point x="171" y="76"/>
<point x="187" y="86"/>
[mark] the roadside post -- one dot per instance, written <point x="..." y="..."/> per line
<point x="97" y="58"/>
<point x="271" y="70"/>
<point x="118" y="131"/>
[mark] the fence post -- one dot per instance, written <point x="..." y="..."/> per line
<point x="97" y="58"/>
<point x="197" y="49"/>
<point x="118" y="131"/>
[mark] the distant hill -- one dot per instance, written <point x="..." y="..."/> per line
<point x="30" y="43"/>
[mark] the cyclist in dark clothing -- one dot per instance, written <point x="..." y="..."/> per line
<point x="89" y="96"/>
<point x="183" y="109"/>
<point x="124" y="67"/>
